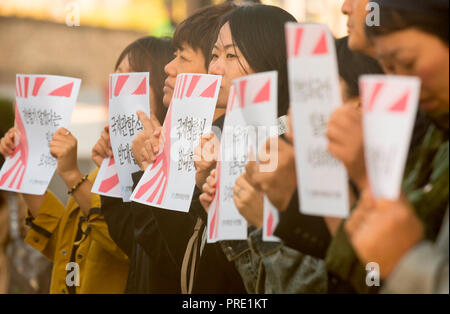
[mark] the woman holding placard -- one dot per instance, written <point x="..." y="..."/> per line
<point x="245" y="46"/>
<point x="154" y="268"/>
<point x="147" y="54"/>
<point x="400" y="235"/>
<point x="76" y="237"/>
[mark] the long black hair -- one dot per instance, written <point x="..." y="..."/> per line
<point x="150" y="54"/>
<point x="258" y="32"/>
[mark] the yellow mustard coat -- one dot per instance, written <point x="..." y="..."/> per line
<point x="103" y="267"/>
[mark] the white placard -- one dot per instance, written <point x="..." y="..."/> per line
<point x="169" y="182"/>
<point x="128" y="93"/>
<point x="44" y="103"/>
<point x="250" y="120"/>
<point x="107" y="181"/>
<point x="315" y="93"/>
<point x="390" y="108"/>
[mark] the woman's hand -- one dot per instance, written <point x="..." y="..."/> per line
<point x="149" y="142"/>
<point x="64" y="148"/>
<point x="102" y="148"/>
<point x="209" y="191"/>
<point x="345" y="134"/>
<point x="249" y="201"/>
<point x="280" y="184"/>
<point x="384" y="231"/>
<point x="9" y="142"/>
<point x="205" y="157"/>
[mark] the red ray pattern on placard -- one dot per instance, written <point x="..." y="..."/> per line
<point x="20" y="86"/>
<point x="194" y="81"/>
<point x="264" y="94"/>
<point x="27" y="81"/>
<point x="108" y="184"/>
<point x="164" y="160"/>
<point x="142" y="89"/>
<point x="242" y="90"/>
<point x="321" y="46"/>
<point x="22" y="149"/>
<point x="373" y="97"/>
<point x="214" y="226"/>
<point x="185" y="78"/>
<point x="270" y="224"/>
<point x="63" y="91"/>
<point x="298" y="40"/>
<point x="210" y="92"/>
<point x="111" y="182"/>
<point x="232" y="99"/>
<point x="120" y="82"/>
<point x="401" y="104"/>
<point x="37" y="85"/>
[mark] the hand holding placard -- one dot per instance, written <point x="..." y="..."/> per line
<point x="64" y="148"/>
<point x="9" y="142"/>
<point x="205" y="157"/>
<point x="169" y="182"/>
<point x="44" y="103"/>
<point x="251" y="119"/>
<point x="102" y="149"/>
<point x="390" y="107"/>
<point x="345" y="135"/>
<point x="315" y="93"/>
<point x="129" y="92"/>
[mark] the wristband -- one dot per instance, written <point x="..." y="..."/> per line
<point x="76" y="186"/>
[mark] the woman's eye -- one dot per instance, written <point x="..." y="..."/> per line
<point x="408" y="65"/>
<point x="214" y="56"/>
<point x="388" y="67"/>
<point x="230" y="56"/>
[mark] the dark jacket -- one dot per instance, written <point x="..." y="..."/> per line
<point x="306" y="234"/>
<point x="152" y="270"/>
<point x="214" y="273"/>
<point x="155" y="241"/>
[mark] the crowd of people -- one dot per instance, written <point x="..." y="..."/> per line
<point x="133" y="248"/>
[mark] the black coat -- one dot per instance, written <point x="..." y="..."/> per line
<point x="214" y="273"/>
<point x="152" y="270"/>
<point x="155" y="240"/>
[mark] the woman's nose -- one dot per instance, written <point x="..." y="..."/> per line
<point x="217" y="68"/>
<point x="171" y="69"/>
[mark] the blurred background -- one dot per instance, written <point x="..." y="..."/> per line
<point x="83" y="39"/>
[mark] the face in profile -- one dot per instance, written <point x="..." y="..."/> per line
<point x="356" y="13"/>
<point x="227" y="61"/>
<point x="187" y="60"/>
<point x="416" y="53"/>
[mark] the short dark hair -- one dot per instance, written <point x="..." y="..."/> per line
<point x="352" y="65"/>
<point x="201" y="29"/>
<point x="394" y="20"/>
<point x="259" y="33"/>
<point x="151" y="54"/>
